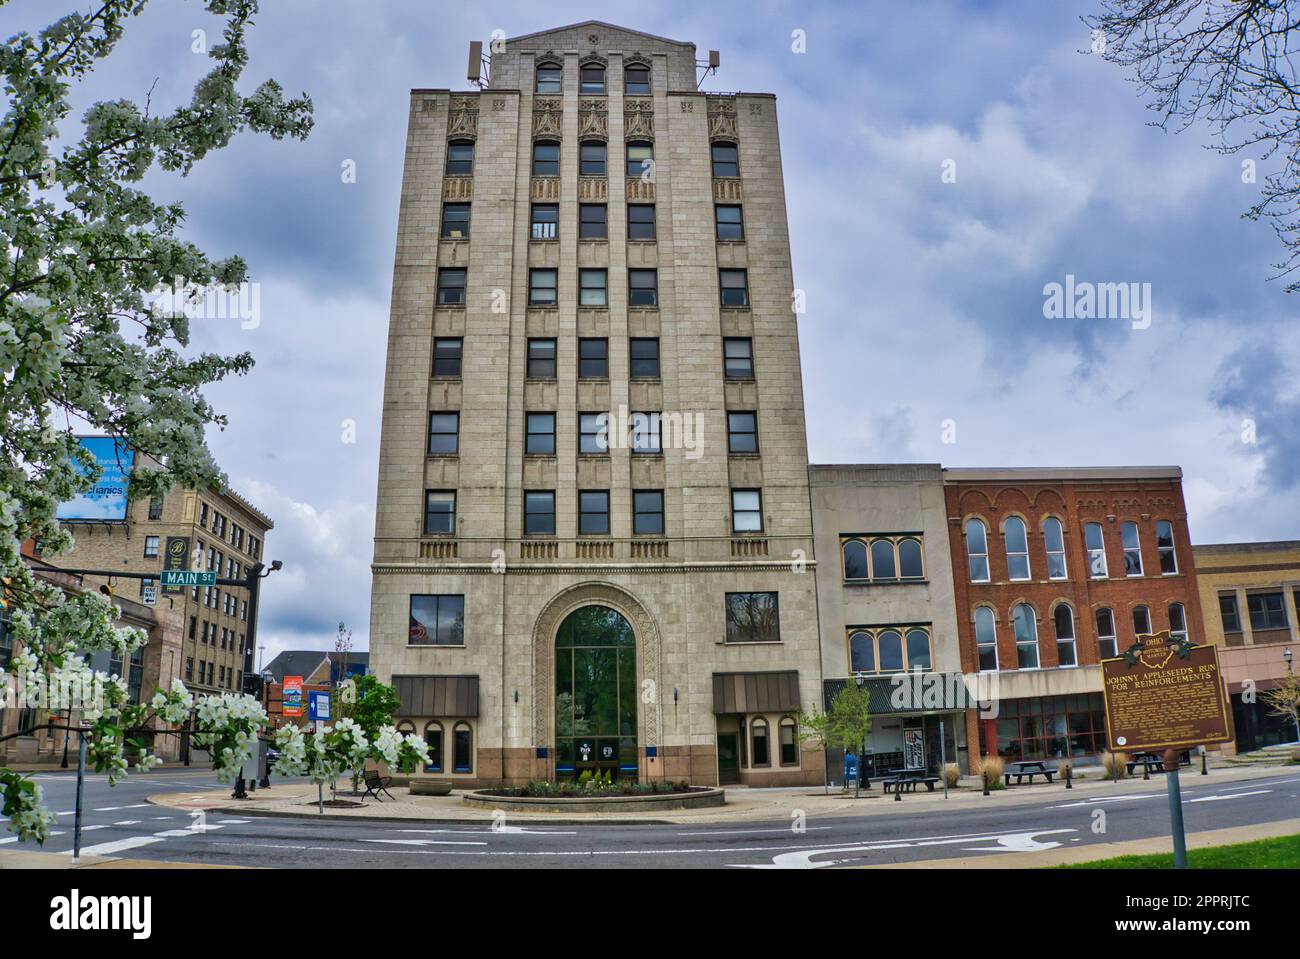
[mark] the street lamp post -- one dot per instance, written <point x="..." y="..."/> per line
<point x="1286" y="654"/>
<point x="251" y="582"/>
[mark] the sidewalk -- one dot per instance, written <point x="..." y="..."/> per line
<point x="38" y="859"/>
<point x="743" y="805"/>
<point x="71" y="768"/>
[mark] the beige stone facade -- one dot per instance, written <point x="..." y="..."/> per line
<point x="671" y="585"/>
<point x="226" y="533"/>
<point x="1250" y="593"/>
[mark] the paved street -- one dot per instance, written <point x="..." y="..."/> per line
<point x="120" y="822"/>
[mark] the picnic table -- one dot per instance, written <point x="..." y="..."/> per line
<point x="907" y="778"/>
<point x="1030" y="768"/>
<point x="1155" y="762"/>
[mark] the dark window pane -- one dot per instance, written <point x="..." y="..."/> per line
<point x="443" y="432"/>
<point x="643" y="288"/>
<point x="593" y="358"/>
<point x="549" y="77"/>
<point x="440" y="511"/>
<point x="752" y="618"/>
<point x="592" y="79"/>
<point x="540" y="439"/>
<point x="909" y="559"/>
<point x="592" y="288"/>
<point x="591" y="159"/>
<point x="641" y="221"/>
<point x="541" y="359"/>
<point x="725" y="160"/>
<point x="455" y="221"/>
<point x="855" y="560"/>
<point x="593" y="513"/>
<point x="640" y="160"/>
<point x="541" y="287"/>
<point x="636" y="81"/>
<point x="437" y="620"/>
<point x="539" y="513"/>
<point x="546" y="159"/>
<point x="729" y="223"/>
<point x="593" y="433"/>
<point x="446" y="356"/>
<point x="546" y="221"/>
<point x="592" y="221"/>
<point x="746" y="511"/>
<point x="451" y="287"/>
<point x="645" y="357"/>
<point x="738" y="358"/>
<point x="460" y="158"/>
<point x="742" y="432"/>
<point x="648" y="512"/>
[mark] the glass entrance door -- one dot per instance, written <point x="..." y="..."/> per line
<point x="595" y="695"/>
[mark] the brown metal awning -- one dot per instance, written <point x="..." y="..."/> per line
<point x="437" y="696"/>
<point x="772" y="692"/>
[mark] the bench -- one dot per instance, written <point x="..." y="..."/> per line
<point x="1031" y="769"/>
<point x="424" y="786"/>
<point x="909" y="783"/>
<point x="1155" y="762"/>
<point x="376" y="784"/>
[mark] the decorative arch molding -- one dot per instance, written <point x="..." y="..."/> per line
<point x="1011" y="494"/>
<point x="974" y="501"/>
<point x="1047" y="496"/>
<point x="648" y="646"/>
<point x="593" y="59"/>
<point x="637" y="59"/>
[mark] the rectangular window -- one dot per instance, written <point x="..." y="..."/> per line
<point x="451" y="286"/>
<point x="636" y="81"/>
<point x="592" y="286"/>
<point x="726" y="162"/>
<point x="549" y="77"/>
<point x="742" y="432"/>
<point x="738" y="358"/>
<point x="593" y="358"/>
<point x="645" y="358"/>
<point x="546" y="221"/>
<point x="640" y="160"/>
<point x="1096" y="546"/>
<point x="446" y="359"/>
<point x="1267" y="610"/>
<point x="455" y="221"/>
<point x="145" y="584"/>
<point x="1229" y="613"/>
<point x="546" y="159"/>
<point x="150" y="547"/>
<point x="734" y="287"/>
<point x="541" y="287"/>
<point x="444" y="434"/>
<point x="753" y="618"/>
<point x="440" y="511"/>
<point x="641" y="221"/>
<point x="593" y="433"/>
<point x="1165" y="545"/>
<point x="189" y="669"/>
<point x="433" y="739"/>
<point x="758" y="743"/>
<point x="591" y="159"/>
<point x="437" y="620"/>
<point x="1128" y="533"/>
<point x="460" y="158"/>
<point x="730" y="225"/>
<point x="591" y="79"/>
<point x="539" y="513"/>
<point x="648" y="512"/>
<point x="541" y="359"/>
<point x="789" y="748"/>
<point x="461" y="740"/>
<point x="643" y="287"/>
<point x="593" y="221"/>
<point x="540" y="437"/>
<point x="1106" y="642"/>
<point x="644" y="434"/>
<point x="593" y="513"/>
<point x="746" y="511"/>
<point x="155" y="507"/>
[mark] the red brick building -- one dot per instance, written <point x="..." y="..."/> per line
<point x="1054" y="570"/>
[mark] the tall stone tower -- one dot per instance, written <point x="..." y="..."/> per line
<point x="593" y="544"/>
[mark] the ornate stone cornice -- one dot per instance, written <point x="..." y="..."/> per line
<point x="639" y="119"/>
<point x="462" y="119"/>
<point x="593" y="120"/>
<point x="516" y="568"/>
<point x="548" y="112"/>
<point x="722" y="118"/>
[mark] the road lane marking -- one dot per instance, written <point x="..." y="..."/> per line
<point x="424" y="842"/>
<point x="117" y="845"/>
<point x="750" y="832"/>
<point x="1256" y="792"/>
<point x="1013" y="842"/>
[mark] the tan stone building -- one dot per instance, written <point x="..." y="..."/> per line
<point x="216" y="531"/>
<point x="593" y="541"/>
<point x="887" y="610"/>
<point x="1251" y="595"/>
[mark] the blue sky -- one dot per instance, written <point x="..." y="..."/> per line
<point x="925" y="298"/>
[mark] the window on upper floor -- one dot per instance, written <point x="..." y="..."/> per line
<point x="728" y="222"/>
<point x="977" y="551"/>
<point x="746" y="511"/>
<point x="541" y="359"/>
<point x="437" y="620"/>
<point x="1130" y="540"/>
<point x="648" y="512"/>
<point x="593" y="512"/>
<point x="1267" y="610"/>
<point x="1141" y="620"/>
<point x="591" y="158"/>
<point x="1025" y="624"/>
<point x="1054" y="542"/>
<point x="1017" y="545"/>
<point x="451" y="286"/>
<point x="593" y="221"/>
<point x="150" y="547"/>
<point x="1165" y="546"/>
<point x="550" y="77"/>
<point x="539" y="438"/>
<point x="1094" y="542"/>
<point x="593" y="288"/>
<point x="455" y="221"/>
<point x="542" y="287"/>
<point x="593" y="433"/>
<point x="636" y="81"/>
<point x="986" y="638"/>
<point x="591" y="78"/>
<point x="1178" y="622"/>
<point x="545" y="221"/>
<point x="593" y="357"/>
<point x="444" y="433"/>
<point x="460" y="158"/>
<point x="155" y="507"/>
<point x="733" y="287"/>
<point x="641" y="221"/>
<point x="643" y="287"/>
<point x="1229" y="613"/>
<point x="742" y="432"/>
<point x="1063" y="621"/>
<point x="738" y="358"/>
<point x="640" y="160"/>
<point x="644" y="359"/>
<point x="546" y="158"/>
<point x="539" y="513"/>
<point x="753" y="618"/>
<point x="446" y="357"/>
<point x="644" y="432"/>
<point x="726" y="162"/>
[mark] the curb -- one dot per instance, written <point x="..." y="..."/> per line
<point x="480" y="821"/>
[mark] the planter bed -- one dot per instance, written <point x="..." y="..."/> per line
<point x="696" y="797"/>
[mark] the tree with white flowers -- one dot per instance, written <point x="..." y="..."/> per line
<point x="84" y="255"/>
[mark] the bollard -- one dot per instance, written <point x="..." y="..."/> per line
<point x="1069" y="770"/>
<point x="1203" y="770"/>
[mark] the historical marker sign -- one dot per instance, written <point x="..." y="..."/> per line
<point x="1164" y="695"/>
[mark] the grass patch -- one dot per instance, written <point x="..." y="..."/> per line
<point x="1281" y="853"/>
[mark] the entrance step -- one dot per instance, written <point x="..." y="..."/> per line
<point x="1268" y="756"/>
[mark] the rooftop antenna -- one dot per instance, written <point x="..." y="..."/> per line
<point x="479" y="67"/>
<point x="709" y="66"/>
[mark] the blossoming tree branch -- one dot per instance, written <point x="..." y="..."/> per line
<point x="87" y="259"/>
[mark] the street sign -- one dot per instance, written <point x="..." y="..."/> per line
<point x="1164" y="695"/>
<point x="149" y="595"/>
<point x="318" y="705"/>
<point x="292" y="696"/>
<point x="176" y="557"/>
<point x="187" y="577"/>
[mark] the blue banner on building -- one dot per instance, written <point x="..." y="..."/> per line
<point x="106" y="500"/>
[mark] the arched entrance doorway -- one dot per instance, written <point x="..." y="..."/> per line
<point x="595" y="695"/>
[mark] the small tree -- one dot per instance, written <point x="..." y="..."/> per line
<point x="815" y="726"/>
<point x="370" y="704"/>
<point x="846" y="725"/>
<point x="1284" y="700"/>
